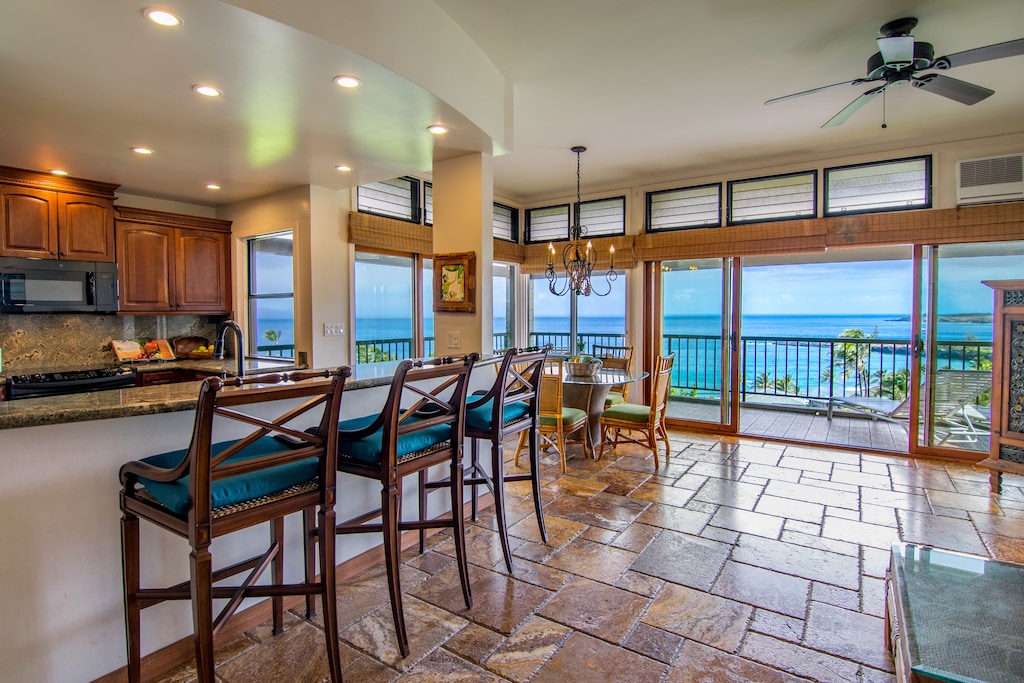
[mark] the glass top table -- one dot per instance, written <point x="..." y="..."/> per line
<point x="957" y="617"/>
<point x="588" y="392"/>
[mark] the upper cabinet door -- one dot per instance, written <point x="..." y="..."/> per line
<point x="203" y="271"/>
<point x="29" y="222"/>
<point x="145" y="268"/>
<point x="85" y="228"/>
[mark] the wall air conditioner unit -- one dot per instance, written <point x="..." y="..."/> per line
<point x="993" y="179"/>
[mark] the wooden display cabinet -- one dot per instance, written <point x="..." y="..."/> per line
<point x="49" y="217"/>
<point x="170" y="263"/>
<point x="1007" y="449"/>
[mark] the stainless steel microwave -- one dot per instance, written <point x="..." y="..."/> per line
<point x="44" y="286"/>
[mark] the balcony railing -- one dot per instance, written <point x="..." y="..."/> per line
<point x="812" y="368"/>
<point x="276" y="350"/>
<point x="560" y="341"/>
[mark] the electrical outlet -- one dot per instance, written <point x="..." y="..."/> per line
<point x="454" y="340"/>
<point x="334" y="330"/>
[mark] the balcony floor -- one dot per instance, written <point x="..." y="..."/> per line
<point x="789" y="425"/>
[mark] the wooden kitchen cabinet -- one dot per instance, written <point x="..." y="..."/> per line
<point x="1006" y="451"/>
<point x="170" y="263"/>
<point x="46" y="216"/>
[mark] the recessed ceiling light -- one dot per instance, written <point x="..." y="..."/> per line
<point x="343" y="168"/>
<point x="59" y="171"/>
<point x="207" y="90"/>
<point x="163" y="17"/>
<point x="346" y="81"/>
<point x="437" y="129"/>
<point x="144" y="151"/>
<point x="212" y="186"/>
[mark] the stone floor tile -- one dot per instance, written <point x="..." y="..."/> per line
<point x="933" y="479"/>
<point x="802" y="527"/>
<point x="1004" y="548"/>
<point x="960" y="501"/>
<point x="592" y="512"/>
<point x="299" y="654"/>
<point x="441" y="666"/>
<point x="629" y="480"/>
<point x="833" y="595"/>
<point x="878" y="514"/>
<point x="636" y="537"/>
<point x="592" y="560"/>
<point x="732" y="493"/>
<point x="599" y="535"/>
<point x="540" y="575"/>
<point x="831" y="545"/>
<point x="777" y="625"/>
<point x="695" y="615"/>
<point x="683" y="559"/>
<point x="500" y="603"/>
<point x="799" y="661"/>
<point x="809" y="563"/>
<point x="872" y="596"/>
<point x="572" y="485"/>
<point x="807" y="464"/>
<point x="858" y="532"/>
<point x="763" y="588"/>
<point x="940" y="532"/>
<point x="729" y="469"/>
<point x="771" y="473"/>
<point x="1000" y="525"/>
<point x="429" y="562"/>
<point x="601" y="610"/>
<point x="653" y="642"/>
<point x="265" y="630"/>
<point x="474" y="643"/>
<point x="521" y="655"/>
<point x="844" y="633"/>
<point x="698" y="663"/>
<point x="675" y="518"/>
<point x="790" y="509"/>
<point x="874" y="562"/>
<point x="366" y="669"/>
<point x="747" y="522"/>
<point x="585" y="659"/>
<point x="641" y="584"/>
<point x="691" y="482"/>
<point x="715" y="533"/>
<point x="872" y="481"/>
<point x="666" y="495"/>
<point x="763" y="454"/>
<point x="812" y="494"/>
<point x="428" y="627"/>
<point x="842" y="513"/>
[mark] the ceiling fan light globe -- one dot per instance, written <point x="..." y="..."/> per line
<point x="897" y="51"/>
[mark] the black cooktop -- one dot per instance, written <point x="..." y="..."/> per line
<point x="71" y="376"/>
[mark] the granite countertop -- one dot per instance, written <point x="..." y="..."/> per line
<point x="163" y="398"/>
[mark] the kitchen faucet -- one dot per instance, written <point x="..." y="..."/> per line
<point x="218" y="347"/>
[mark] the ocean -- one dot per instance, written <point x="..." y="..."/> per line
<point x="890" y="326"/>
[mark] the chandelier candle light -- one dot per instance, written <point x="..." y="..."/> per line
<point x="578" y="259"/>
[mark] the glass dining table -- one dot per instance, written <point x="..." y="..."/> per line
<point x="588" y="393"/>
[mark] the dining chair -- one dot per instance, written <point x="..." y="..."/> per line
<point x="615" y="358"/>
<point x="212" y="488"/>
<point x="421" y="425"/>
<point x="555" y="420"/>
<point x="649" y="419"/>
<point x="509" y="407"/>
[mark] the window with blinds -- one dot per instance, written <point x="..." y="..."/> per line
<point x="397" y="198"/>
<point x="428" y="203"/>
<point x="547" y="224"/>
<point x="505" y="223"/>
<point x="685" y="208"/>
<point x="879" y="186"/>
<point x="773" y="198"/>
<point x="601" y="217"/>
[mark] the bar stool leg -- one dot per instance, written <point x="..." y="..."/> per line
<point x="535" y="482"/>
<point x="391" y="506"/>
<point x="498" y="484"/>
<point x="130" y="558"/>
<point x="201" y="570"/>
<point x="311" y="535"/>
<point x="277" y="572"/>
<point x="459" y="530"/>
<point x="328" y="578"/>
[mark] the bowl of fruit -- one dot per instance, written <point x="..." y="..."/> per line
<point x="583" y="366"/>
<point x="193" y="347"/>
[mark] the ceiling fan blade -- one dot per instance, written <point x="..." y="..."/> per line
<point x="961" y="91"/>
<point x="852" y="107"/>
<point x="856" y="81"/>
<point x="1010" y="48"/>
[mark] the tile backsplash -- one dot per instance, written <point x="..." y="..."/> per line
<point x="64" y="340"/>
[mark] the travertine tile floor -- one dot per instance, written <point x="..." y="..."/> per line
<point x="738" y="560"/>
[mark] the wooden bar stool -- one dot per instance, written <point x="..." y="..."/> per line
<point x="214" y="488"/>
<point x="420" y="426"/>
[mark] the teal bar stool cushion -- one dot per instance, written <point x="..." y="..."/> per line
<point x="230" y="490"/>
<point x="479" y="418"/>
<point x="368" y="448"/>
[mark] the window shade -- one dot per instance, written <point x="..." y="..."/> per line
<point x="604" y="216"/>
<point x="548" y="224"/>
<point x="688" y="207"/>
<point x="888" y="185"/>
<point x="773" y="198"/>
<point x="396" y="198"/>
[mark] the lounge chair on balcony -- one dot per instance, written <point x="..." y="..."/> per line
<point x="954" y="392"/>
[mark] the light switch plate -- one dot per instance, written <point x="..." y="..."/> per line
<point x="454" y="340"/>
<point x="334" y="330"/>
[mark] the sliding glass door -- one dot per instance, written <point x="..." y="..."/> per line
<point x="696" y="325"/>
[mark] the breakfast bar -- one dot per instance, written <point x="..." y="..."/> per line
<point x="59" y="506"/>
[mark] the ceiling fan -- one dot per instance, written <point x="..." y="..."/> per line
<point x="900" y="58"/>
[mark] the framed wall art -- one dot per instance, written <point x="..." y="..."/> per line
<point x="455" y="283"/>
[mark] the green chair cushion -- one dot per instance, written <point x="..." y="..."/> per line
<point x="569" y="416"/>
<point x="230" y="490"/>
<point x="628" y="412"/>
<point x="479" y="418"/>
<point x="368" y="448"/>
<point x="614" y="398"/>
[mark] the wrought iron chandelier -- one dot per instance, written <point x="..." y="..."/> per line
<point x="578" y="259"/>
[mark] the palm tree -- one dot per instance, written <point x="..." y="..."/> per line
<point x="787" y="385"/>
<point x="763" y="381"/>
<point x="272" y="336"/>
<point x="851" y="359"/>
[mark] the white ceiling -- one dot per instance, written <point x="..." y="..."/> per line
<point x="656" y="89"/>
